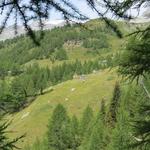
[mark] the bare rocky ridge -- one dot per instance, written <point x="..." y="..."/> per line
<point x="9" y="32"/>
<point x="144" y="18"/>
<point x="140" y="20"/>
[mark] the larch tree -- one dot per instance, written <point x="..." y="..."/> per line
<point x="75" y="136"/>
<point x="121" y="137"/>
<point x="5" y="142"/>
<point x="58" y="129"/>
<point x="86" y="120"/>
<point x="114" y="105"/>
<point x="97" y="139"/>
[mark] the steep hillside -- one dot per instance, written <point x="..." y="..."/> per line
<point x="75" y="95"/>
<point x="92" y="40"/>
<point x="27" y="69"/>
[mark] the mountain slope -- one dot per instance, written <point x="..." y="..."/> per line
<point x="75" y="95"/>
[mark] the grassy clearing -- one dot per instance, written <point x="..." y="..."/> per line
<point x="33" y="120"/>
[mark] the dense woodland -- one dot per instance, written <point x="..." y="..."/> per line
<point x="14" y="53"/>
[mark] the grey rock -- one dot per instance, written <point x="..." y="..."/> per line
<point x="9" y="31"/>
